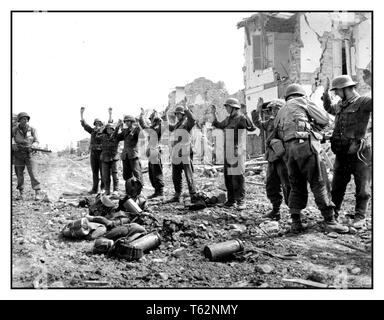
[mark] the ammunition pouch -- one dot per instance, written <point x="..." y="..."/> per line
<point x="276" y="150"/>
<point x="315" y="139"/>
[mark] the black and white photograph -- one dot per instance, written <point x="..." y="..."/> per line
<point x="177" y="149"/>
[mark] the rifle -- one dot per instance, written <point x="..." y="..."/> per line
<point x="34" y="149"/>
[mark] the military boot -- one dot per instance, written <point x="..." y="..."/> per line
<point x="157" y="193"/>
<point x="359" y="222"/>
<point x="37" y="195"/>
<point x="296" y="226"/>
<point x="20" y="196"/>
<point x="273" y="214"/>
<point x="175" y="198"/>
<point x="332" y="226"/>
<point x="241" y="205"/>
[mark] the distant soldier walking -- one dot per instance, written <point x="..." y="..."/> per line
<point x="302" y="144"/>
<point x="350" y="144"/>
<point x="155" y="167"/>
<point x="24" y="137"/>
<point x="95" y="151"/>
<point x="234" y="159"/>
<point x="277" y="172"/>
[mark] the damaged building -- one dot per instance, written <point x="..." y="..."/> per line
<point x="304" y="47"/>
<point x="201" y="94"/>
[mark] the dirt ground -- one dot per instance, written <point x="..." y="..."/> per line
<point x="42" y="258"/>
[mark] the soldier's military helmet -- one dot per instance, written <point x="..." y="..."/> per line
<point x="97" y="120"/>
<point x="154" y="116"/>
<point x="276" y="103"/>
<point x="22" y="115"/>
<point x="232" y="102"/>
<point x="133" y="187"/>
<point x="129" y="118"/>
<point x="179" y="109"/>
<point x="294" y="88"/>
<point x="341" y="82"/>
<point x="109" y="125"/>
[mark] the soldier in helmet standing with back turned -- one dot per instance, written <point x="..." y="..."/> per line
<point x="350" y="145"/>
<point x="24" y="137"/>
<point x="294" y="123"/>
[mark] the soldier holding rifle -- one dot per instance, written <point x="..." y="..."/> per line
<point x="25" y="140"/>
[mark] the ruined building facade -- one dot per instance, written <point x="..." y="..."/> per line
<point x="306" y="48"/>
<point x="201" y="94"/>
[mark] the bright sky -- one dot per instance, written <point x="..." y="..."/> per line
<point x="62" y="61"/>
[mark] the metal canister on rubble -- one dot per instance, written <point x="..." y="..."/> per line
<point x="132" y="206"/>
<point x="218" y="251"/>
<point x="147" y="242"/>
<point x="102" y="245"/>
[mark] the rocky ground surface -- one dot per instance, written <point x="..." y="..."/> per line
<point x="273" y="258"/>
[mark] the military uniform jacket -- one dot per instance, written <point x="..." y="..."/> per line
<point x="236" y="122"/>
<point x="24" y="138"/>
<point x="131" y="138"/>
<point x="109" y="146"/>
<point x="351" y="120"/>
<point x="293" y="121"/>
<point x="95" y="143"/>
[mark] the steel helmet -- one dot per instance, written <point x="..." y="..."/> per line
<point x="154" y="116"/>
<point x="294" y="88"/>
<point x="129" y="118"/>
<point x="97" y="120"/>
<point x="232" y="102"/>
<point x="109" y="125"/>
<point x="22" y="115"/>
<point x="341" y="82"/>
<point x="133" y="187"/>
<point x="179" y="109"/>
<point x="277" y="103"/>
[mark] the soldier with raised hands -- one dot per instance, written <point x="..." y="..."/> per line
<point x="277" y="172"/>
<point x="182" y="153"/>
<point x="95" y="150"/>
<point x="351" y="144"/>
<point x="155" y="167"/>
<point x="234" y="159"/>
<point x="130" y="154"/>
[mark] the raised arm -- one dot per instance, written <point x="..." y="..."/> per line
<point x="142" y="121"/>
<point x="191" y="119"/>
<point x="218" y="124"/>
<point x="256" y="115"/>
<point x="85" y="125"/>
<point x="327" y="102"/>
<point x="317" y="113"/>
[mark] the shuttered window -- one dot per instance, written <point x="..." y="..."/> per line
<point x="257" y="53"/>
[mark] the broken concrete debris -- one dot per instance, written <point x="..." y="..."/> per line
<point x="264" y="268"/>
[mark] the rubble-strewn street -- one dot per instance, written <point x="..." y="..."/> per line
<point x="273" y="258"/>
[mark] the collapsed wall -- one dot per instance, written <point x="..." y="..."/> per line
<point x="201" y="94"/>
